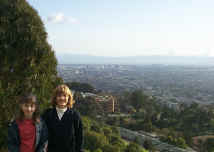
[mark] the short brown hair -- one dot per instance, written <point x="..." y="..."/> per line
<point x="63" y="89"/>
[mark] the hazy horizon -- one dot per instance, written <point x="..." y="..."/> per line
<point x="135" y="60"/>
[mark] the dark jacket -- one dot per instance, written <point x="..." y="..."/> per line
<point x="65" y="135"/>
<point x="14" y="138"/>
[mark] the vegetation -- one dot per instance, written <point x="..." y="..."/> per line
<point x="176" y="127"/>
<point x="81" y="87"/>
<point x="27" y="61"/>
<point x="104" y="138"/>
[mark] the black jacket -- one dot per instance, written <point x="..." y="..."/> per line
<point x="65" y="135"/>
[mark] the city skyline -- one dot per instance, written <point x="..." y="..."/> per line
<point x="129" y="28"/>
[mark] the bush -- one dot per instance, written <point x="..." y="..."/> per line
<point x="132" y="147"/>
<point x="94" y="140"/>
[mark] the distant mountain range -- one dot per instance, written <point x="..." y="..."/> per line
<point x="135" y="60"/>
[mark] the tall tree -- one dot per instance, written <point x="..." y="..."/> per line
<point x="138" y="99"/>
<point x="27" y="61"/>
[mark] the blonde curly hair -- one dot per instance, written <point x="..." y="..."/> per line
<point x="63" y="89"/>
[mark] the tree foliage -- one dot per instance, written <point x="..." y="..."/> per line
<point x="138" y="99"/>
<point x="27" y="61"/>
<point x="106" y="139"/>
<point x="94" y="140"/>
<point x="175" y="126"/>
<point x="81" y="87"/>
<point x="132" y="147"/>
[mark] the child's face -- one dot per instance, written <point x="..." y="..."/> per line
<point x="62" y="100"/>
<point x="28" y="109"/>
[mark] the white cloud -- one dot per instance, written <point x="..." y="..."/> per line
<point x="61" y="18"/>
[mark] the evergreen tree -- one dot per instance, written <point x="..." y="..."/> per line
<point x="27" y="61"/>
<point x="139" y="99"/>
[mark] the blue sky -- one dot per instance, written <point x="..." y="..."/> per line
<point x="129" y="27"/>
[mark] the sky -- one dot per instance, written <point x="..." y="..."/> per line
<point x="129" y="27"/>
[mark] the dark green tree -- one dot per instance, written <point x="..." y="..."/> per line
<point x="27" y="61"/>
<point x="89" y="107"/>
<point x="138" y="99"/>
<point x="81" y="87"/>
